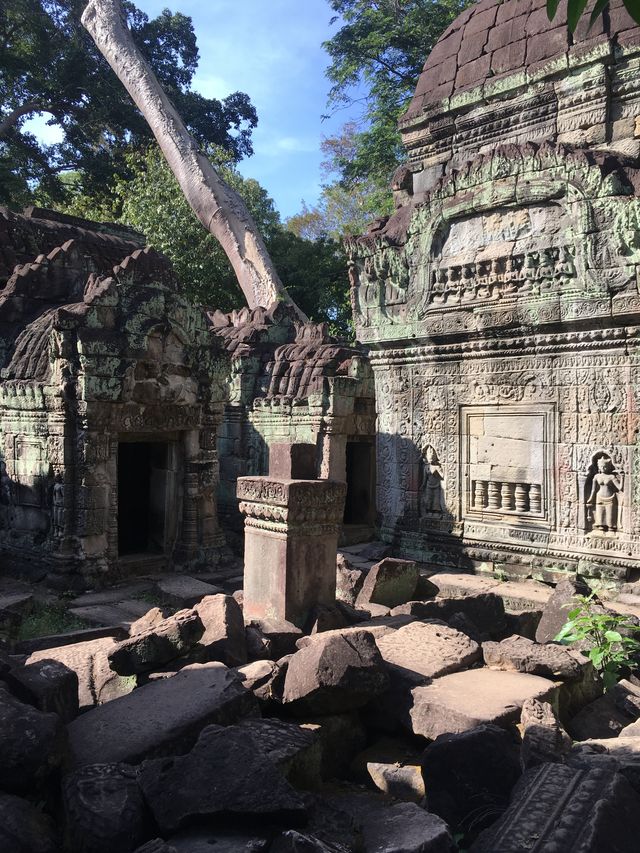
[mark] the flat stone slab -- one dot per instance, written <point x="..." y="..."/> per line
<point x="123" y="613"/>
<point x="112" y="595"/>
<point x="428" y="649"/>
<point x="161" y="718"/>
<point x="464" y="700"/>
<point x="184" y="591"/>
<point x="517" y="595"/>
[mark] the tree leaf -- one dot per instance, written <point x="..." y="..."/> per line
<point x="633" y="8"/>
<point x="613" y="636"/>
<point x="552" y="8"/>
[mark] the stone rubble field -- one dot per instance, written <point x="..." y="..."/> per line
<point x="417" y="715"/>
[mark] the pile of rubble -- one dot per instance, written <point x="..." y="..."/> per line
<point x="400" y="720"/>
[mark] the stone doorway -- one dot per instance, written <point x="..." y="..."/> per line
<point x="147" y="505"/>
<point x="359" y="505"/>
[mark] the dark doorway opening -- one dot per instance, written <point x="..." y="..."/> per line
<point x="141" y="497"/>
<point x="358" y="508"/>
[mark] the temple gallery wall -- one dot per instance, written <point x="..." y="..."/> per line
<point x="486" y="418"/>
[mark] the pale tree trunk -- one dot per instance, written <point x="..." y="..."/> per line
<point x="218" y="207"/>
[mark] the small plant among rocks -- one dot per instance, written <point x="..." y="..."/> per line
<point x="612" y="648"/>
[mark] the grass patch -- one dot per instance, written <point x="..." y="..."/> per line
<point x="47" y="619"/>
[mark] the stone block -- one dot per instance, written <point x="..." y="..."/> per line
<point x="105" y="810"/>
<point x="224" y="637"/>
<point x="464" y="700"/>
<point x="543" y="738"/>
<point x="294" y="749"/>
<point x="390" y="582"/>
<point x="33" y="745"/>
<point x="25" y="828"/>
<point x="405" y="828"/>
<point x="97" y="682"/>
<point x="166" y="641"/>
<point x="48" y="685"/>
<point x="271" y="638"/>
<point x="293" y="461"/>
<point x="184" y="591"/>
<point x="617" y="755"/>
<point x="161" y="718"/>
<point x="225" y="773"/>
<point x="484" y="609"/>
<point x="555" y="613"/>
<point x="349" y="580"/>
<point x="570" y="810"/>
<point x="468" y="777"/>
<point x="518" y="654"/>
<point x="257" y="677"/>
<point x="335" y="673"/>
<point x="429" y="649"/>
<point x="608" y="715"/>
<point x="393" y="765"/>
<point x="341" y="737"/>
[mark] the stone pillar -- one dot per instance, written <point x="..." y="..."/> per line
<point x="506" y="496"/>
<point x="292" y="523"/>
<point x="493" y="490"/>
<point x="535" y="498"/>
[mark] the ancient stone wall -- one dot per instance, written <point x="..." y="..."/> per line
<point x="500" y="304"/>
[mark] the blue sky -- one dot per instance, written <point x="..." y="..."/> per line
<point x="273" y="52"/>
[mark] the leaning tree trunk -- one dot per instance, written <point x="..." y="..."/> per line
<point x="218" y="207"/>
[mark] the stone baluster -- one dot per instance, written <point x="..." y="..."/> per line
<point x="522" y="497"/>
<point x="535" y="498"/>
<point x="479" y="494"/>
<point x="494" y="495"/>
<point x="506" y="495"/>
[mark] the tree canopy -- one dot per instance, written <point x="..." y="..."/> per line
<point x="49" y="64"/>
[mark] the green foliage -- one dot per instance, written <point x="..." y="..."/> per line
<point x="376" y="58"/>
<point x="612" y="649"/>
<point x="46" y="619"/>
<point x="576" y="8"/>
<point x="49" y="64"/>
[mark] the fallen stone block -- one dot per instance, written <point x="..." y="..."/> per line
<point x="429" y="649"/>
<point x="484" y="609"/>
<point x="157" y="845"/>
<point x="270" y="638"/>
<point x="70" y="638"/>
<point x="258" y="677"/>
<point x="543" y="738"/>
<point x="617" y="755"/>
<point x="48" y="685"/>
<point x="393" y="765"/>
<point x="105" y="810"/>
<point x="469" y="776"/>
<point x="557" y="608"/>
<point x="225" y="773"/>
<point x="24" y="828"/>
<point x="464" y="700"/>
<point x="605" y="717"/>
<point x="389" y="582"/>
<point x="375" y="551"/>
<point x="335" y="673"/>
<point x="328" y="617"/>
<point x="224" y="634"/>
<point x="518" y="654"/>
<point x="97" y="682"/>
<point x="294" y="749"/>
<point x="406" y="828"/>
<point x="561" y="808"/>
<point x="149" y="620"/>
<point x="184" y="591"/>
<point x="161" y="718"/>
<point x="166" y="641"/>
<point x="349" y="580"/>
<point x="378" y="627"/>
<point x="33" y="745"/>
<point x="523" y="622"/>
<point x="14" y="607"/>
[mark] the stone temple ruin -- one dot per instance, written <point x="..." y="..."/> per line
<point x="499" y="303"/>
<point x="412" y="696"/>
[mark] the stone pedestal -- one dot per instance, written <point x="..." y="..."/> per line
<point x="291" y="538"/>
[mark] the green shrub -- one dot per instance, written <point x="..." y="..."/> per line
<point x="609" y="637"/>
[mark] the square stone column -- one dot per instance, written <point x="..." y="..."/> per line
<point x="291" y="539"/>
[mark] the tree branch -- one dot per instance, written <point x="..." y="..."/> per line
<point x="218" y="207"/>
<point x="9" y="121"/>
